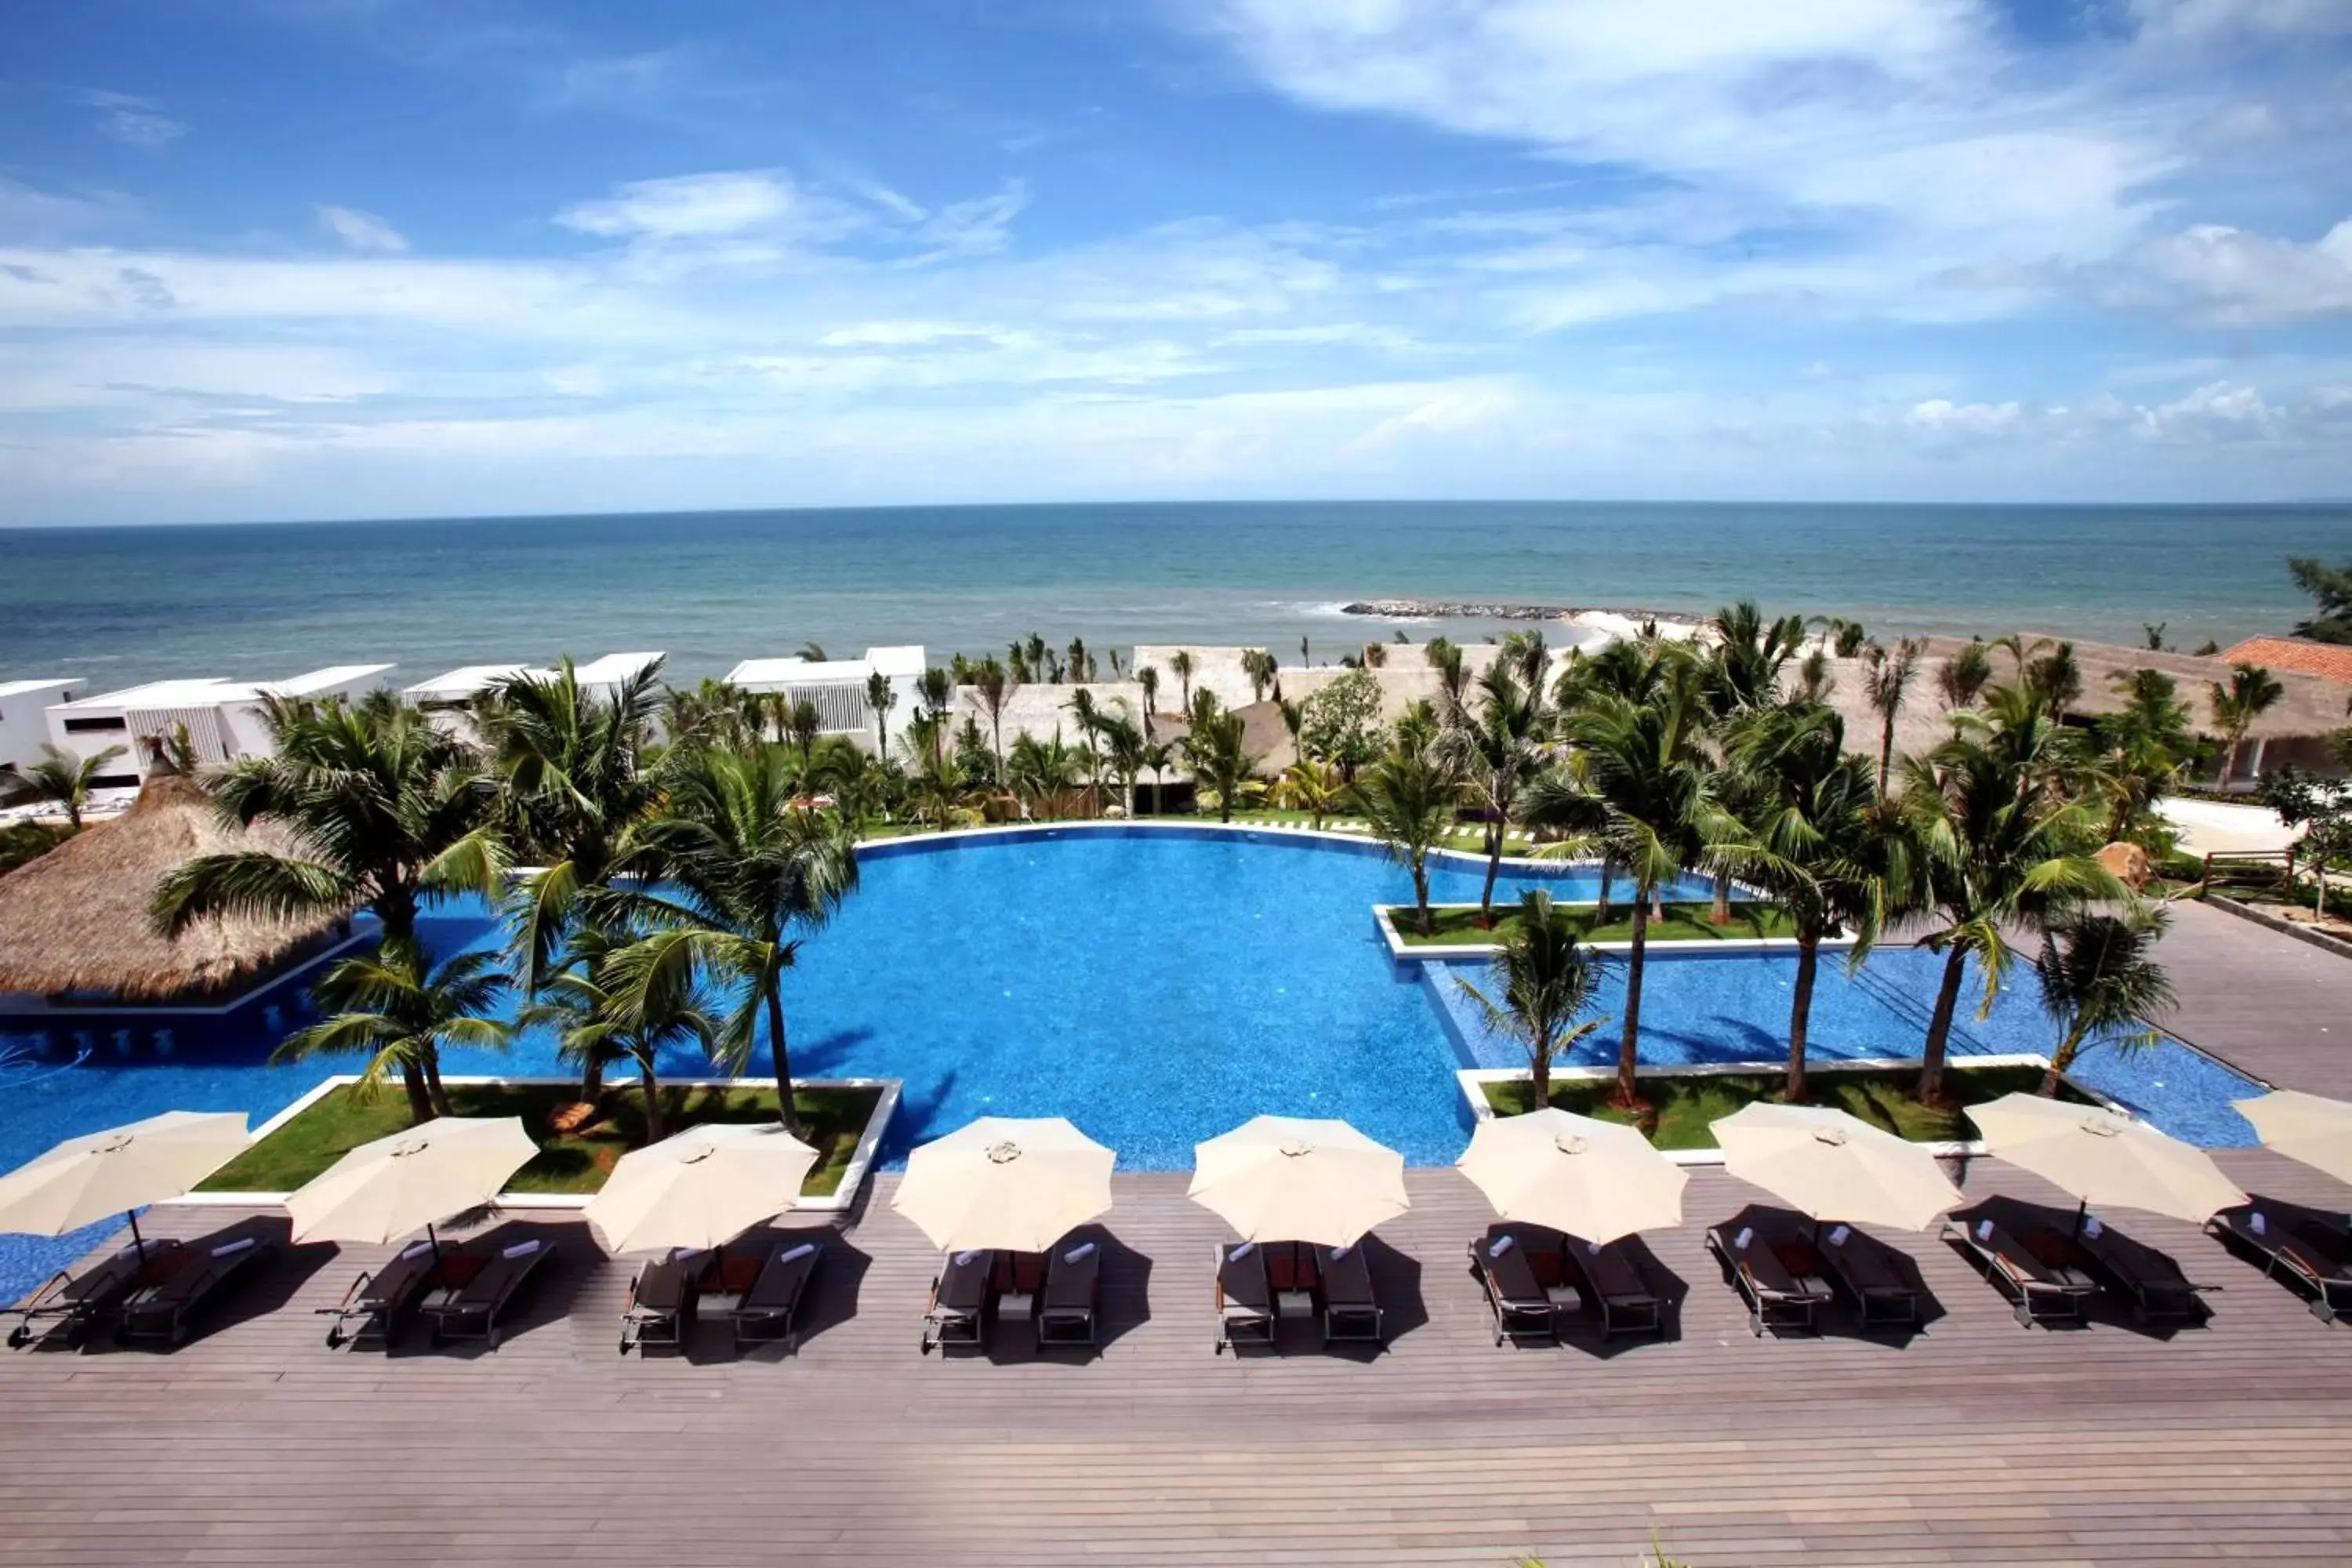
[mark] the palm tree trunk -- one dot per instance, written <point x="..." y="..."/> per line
<point x="1421" y="895"/>
<point x="1722" y="915"/>
<point x="1494" y="866"/>
<point x="1886" y="749"/>
<point x="1607" y="874"/>
<point x="420" y="1104"/>
<point x="432" y="1089"/>
<point x="656" y="1123"/>
<point x="788" y="1114"/>
<point x="1629" y="1048"/>
<point x="1939" y="1026"/>
<point x="2061" y="1060"/>
<point x="2230" y="761"/>
<point x="592" y="1077"/>
<point x="1800" y="1014"/>
<point x="1539" y="1076"/>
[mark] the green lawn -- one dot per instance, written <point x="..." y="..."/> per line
<point x="1681" y="1108"/>
<point x="340" y="1121"/>
<point x="1458" y="923"/>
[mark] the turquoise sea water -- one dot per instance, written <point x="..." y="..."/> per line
<point x="119" y="605"/>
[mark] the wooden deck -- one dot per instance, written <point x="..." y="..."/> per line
<point x="1974" y="1442"/>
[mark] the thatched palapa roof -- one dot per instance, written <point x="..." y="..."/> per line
<point x="76" y="919"/>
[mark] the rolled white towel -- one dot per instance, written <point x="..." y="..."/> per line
<point x="1338" y="1252"/>
<point x="231" y="1248"/>
<point x="415" y="1248"/>
<point x="1079" y="1253"/>
<point x="520" y="1250"/>
<point x="1984" y="1230"/>
<point x="1593" y="1249"/>
<point x="1501" y="1244"/>
<point x="1747" y="1234"/>
<point x="2093" y="1227"/>
<point x="803" y="1250"/>
<point x="1839" y="1233"/>
<point x="968" y="1257"/>
<point x="2257" y="1224"/>
<point x="1244" y="1250"/>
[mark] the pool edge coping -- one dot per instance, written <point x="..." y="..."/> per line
<point x="839" y="1201"/>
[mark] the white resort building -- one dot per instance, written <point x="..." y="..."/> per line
<point x="222" y="717"/>
<point x="24" y="729"/>
<point x="450" y="695"/>
<point x="838" y="687"/>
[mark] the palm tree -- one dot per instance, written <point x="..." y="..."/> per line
<point x="812" y="651"/>
<point x="1963" y="677"/>
<point x="1123" y="750"/>
<point x="995" y="686"/>
<point x="1148" y="676"/>
<point x="1995" y="844"/>
<point x="2099" y="978"/>
<point x="61" y="776"/>
<point x="1452" y="677"/>
<point x="1817" y="842"/>
<point x="1545" y="979"/>
<point x="1641" y="769"/>
<point x="1815" y="681"/>
<point x="1157" y="755"/>
<point x="1180" y="664"/>
<point x="1886" y="680"/>
<point x="1498" y="746"/>
<point x="594" y="1026"/>
<point x="880" y="698"/>
<point x="2252" y="691"/>
<point x="1083" y="710"/>
<point x="1843" y="638"/>
<point x="1315" y="788"/>
<point x="1743" y="670"/>
<point x="2141" y="749"/>
<point x="2055" y="679"/>
<point x="1408" y="799"/>
<point x="1258" y="667"/>
<point x="382" y="813"/>
<point x="1044" y="775"/>
<point x="569" y="794"/>
<point x="1215" y="750"/>
<point x="390" y="1004"/>
<point x="746" y="875"/>
<point x="1082" y="664"/>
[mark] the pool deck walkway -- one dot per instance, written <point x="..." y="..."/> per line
<point x="1974" y="1442"/>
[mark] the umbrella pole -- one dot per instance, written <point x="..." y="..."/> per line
<point x="2081" y="1209"/>
<point x="434" y="1242"/>
<point x="137" y="1241"/>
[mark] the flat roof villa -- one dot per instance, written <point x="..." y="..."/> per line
<point x="838" y="686"/>
<point x="22" y="728"/>
<point x="452" y="692"/>
<point x="222" y="717"/>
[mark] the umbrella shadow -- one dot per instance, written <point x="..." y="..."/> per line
<point x="1397" y="1289"/>
<point x="2032" y="1223"/>
<point x="834" y="1291"/>
<point x="1865" y="1258"/>
<point x="257" y="1295"/>
<point x="1123" y="1304"/>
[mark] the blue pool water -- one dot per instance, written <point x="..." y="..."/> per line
<point x="1155" y="985"/>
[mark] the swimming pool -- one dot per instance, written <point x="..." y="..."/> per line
<point x="1157" y="985"/>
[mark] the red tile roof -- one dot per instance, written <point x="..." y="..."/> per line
<point x="2333" y="661"/>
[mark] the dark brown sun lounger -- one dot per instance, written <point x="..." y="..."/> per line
<point x="1882" y="1291"/>
<point x="470" y="1310"/>
<point x="1018" y="1281"/>
<point x="74" y="1306"/>
<point x="662" y="1300"/>
<point x="159" y="1310"/>
<point x="1351" y="1310"/>
<point x="381" y="1299"/>
<point x="2311" y="1250"/>
<point x="1772" y="1264"/>
<point x="1504" y="1260"/>
<point x="2148" y="1281"/>
<point x="2045" y="1283"/>
<point x="766" y="1313"/>
<point x="1245" y="1296"/>
<point x="1073" y="1295"/>
<point x="1606" y="1275"/>
<point x="958" y="1300"/>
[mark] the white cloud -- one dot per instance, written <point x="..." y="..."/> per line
<point x="2220" y="276"/>
<point x="133" y="121"/>
<point x="689" y="206"/>
<point x="360" y="231"/>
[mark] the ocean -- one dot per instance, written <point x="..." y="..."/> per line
<point x="255" y="601"/>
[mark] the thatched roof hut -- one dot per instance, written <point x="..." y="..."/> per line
<point x="74" y="921"/>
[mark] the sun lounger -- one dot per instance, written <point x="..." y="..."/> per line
<point x="1882" y="1291"/>
<point x="1505" y="1261"/>
<point x="1772" y="1264"/>
<point x="766" y="1313"/>
<point x="1245" y="1296"/>
<point x="1351" y="1310"/>
<point x="2046" y="1284"/>
<point x="2310" y="1249"/>
<point x="74" y="1305"/>
<point x="471" y="1309"/>
<point x="1606" y="1275"/>
<point x="1073" y="1294"/>
<point x="958" y="1300"/>
<point x="662" y="1300"/>
<point x="373" y="1308"/>
<point x="2150" y="1282"/>
<point x="200" y="1270"/>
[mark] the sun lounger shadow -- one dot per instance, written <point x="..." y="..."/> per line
<point x="829" y="1297"/>
<point x="1584" y="1326"/>
<point x="2308" y="1250"/>
<point x="504" y="1298"/>
<point x="2137" y="1286"/>
<point x="218" y="1280"/>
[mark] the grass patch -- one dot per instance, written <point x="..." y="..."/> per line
<point x="340" y="1121"/>
<point x="1458" y="923"/>
<point x="1682" y="1107"/>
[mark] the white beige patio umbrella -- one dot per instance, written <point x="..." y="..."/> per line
<point x="117" y="1172"/>
<point x="2096" y="1156"/>
<point x="1285" y="1178"/>
<point x="1831" y="1165"/>
<point x="411" y="1181"/>
<point x="1597" y="1180"/>
<point x="1005" y="1183"/>
<point x="2306" y="1127"/>
<point x="700" y="1187"/>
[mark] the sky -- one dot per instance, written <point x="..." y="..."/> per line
<point x="323" y="259"/>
